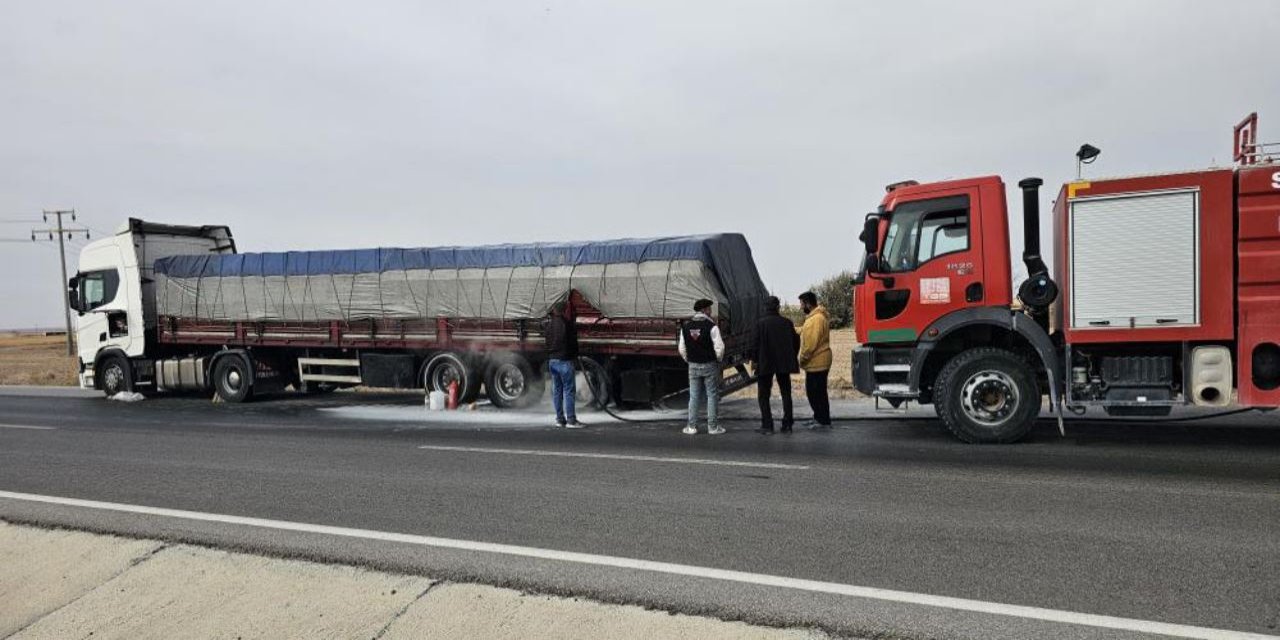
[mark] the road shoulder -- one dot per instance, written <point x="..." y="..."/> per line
<point x="60" y="583"/>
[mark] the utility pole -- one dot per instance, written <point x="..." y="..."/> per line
<point x="64" y="233"/>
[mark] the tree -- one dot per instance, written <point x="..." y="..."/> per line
<point x="836" y="294"/>
<point x="793" y="313"/>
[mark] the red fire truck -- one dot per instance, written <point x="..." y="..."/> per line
<point x="1167" y="293"/>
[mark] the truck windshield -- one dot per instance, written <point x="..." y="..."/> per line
<point x="923" y="230"/>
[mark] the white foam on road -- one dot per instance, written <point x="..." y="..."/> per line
<point x="871" y="593"/>
<point x="489" y="416"/>
<point x="27" y="426"/>
<point x="480" y="417"/>
<point x="540" y="417"/>
<point x="616" y="456"/>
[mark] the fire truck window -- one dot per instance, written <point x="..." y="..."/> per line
<point x="943" y="233"/>
<point x="98" y="288"/>
<point x="923" y="230"/>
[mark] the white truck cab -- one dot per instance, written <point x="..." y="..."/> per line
<point x="113" y="295"/>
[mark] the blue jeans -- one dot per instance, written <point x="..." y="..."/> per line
<point x="563" y="389"/>
<point x="704" y="376"/>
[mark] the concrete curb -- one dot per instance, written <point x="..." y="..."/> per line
<point x="62" y="584"/>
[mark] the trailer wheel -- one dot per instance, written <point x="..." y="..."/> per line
<point x="987" y="395"/>
<point x="446" y="367"/>
<point x="115" y="375"/>
<point x="593" y="388"/>
<point x="512" y="382"/>
<point x="233" y="379"/>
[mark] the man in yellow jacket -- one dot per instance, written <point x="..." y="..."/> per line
<point x="815" y="358"/>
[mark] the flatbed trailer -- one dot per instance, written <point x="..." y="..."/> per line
<point x="183" y="311"/>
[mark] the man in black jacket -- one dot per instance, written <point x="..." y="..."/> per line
<point x="562" y="351"/>
<point x="776" y="346"/>
<point x="701" y="345"/>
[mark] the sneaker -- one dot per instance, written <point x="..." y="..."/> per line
<point x="574" y="424"/>
<point x="689" y="431"/>
<point x="561" y="423"/>
<point x="715" y="431"/>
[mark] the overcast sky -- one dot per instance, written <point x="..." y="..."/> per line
<point x="314" y="125"/>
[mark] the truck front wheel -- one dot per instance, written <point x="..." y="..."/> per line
<point x="987" y="395"/>
<point x="115" y="375"/>
<point x="233" y="379"/>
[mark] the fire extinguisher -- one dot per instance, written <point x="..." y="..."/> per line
<point x="452" y="402"/>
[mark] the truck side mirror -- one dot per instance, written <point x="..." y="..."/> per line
<point x="73" y="294"/>
<point x="873" y="263"/>
<point x="870" y="238"/>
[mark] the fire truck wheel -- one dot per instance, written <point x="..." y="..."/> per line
<point x="115" y="376"/>
<point x="233" y="379"/>
<point x="446" y="367"/>
<point x="512" y="382"/>
<point x="987" y="395"/>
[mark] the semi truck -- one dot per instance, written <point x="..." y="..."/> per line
<point x="1167" y="293"/>
<point x="165" y="307"/>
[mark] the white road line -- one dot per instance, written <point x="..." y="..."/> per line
<point x="27" y="426"/>
<point x="614" y="456"/>
<point x="872" y="593"/>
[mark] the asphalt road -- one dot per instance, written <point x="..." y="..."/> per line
<point x="1170" y="523"/>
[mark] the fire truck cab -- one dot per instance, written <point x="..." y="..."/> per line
<point x="1165" y="292"/>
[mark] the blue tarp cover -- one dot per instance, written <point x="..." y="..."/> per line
<point x="299" y="263"/>
<point x="622" y="278"/>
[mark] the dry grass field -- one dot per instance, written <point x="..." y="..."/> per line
<point x="840" y="380"/>
<point x="35" y="359"/>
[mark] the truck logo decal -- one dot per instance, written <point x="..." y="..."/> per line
<point x="935" y="290"/>
<point x="1275" y="180"/>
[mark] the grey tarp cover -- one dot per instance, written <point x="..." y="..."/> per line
<point x="652" y="278"/>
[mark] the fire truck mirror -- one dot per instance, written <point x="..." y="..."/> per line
<point x="873" y="264"/>
<point x="870" y="238"/>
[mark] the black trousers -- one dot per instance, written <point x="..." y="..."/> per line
<point x="764" y="389"/>
<point x="815" y="386"/>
